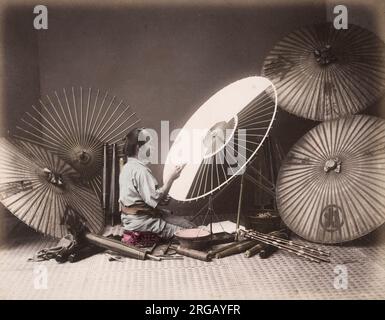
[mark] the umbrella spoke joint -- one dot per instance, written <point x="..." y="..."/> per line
<point x="53" y="177"/>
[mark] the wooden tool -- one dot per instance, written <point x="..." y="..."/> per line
<point x="192" y="253"/>
<point x="267" y="251"/>
<point x="254" y="250"/>
<point x="238" y="248"/>
<point x="213" y="252"/>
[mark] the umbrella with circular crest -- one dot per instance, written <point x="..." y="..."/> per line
<point x="331" y="186"/>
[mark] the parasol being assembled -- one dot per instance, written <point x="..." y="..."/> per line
<point x="237" y="119"/>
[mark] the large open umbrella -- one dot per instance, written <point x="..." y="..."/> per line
<point x="37" y="187"/>
<point x="322" y="73"/>
<point x="331" y="186"/>
<point x="75" y="124"/>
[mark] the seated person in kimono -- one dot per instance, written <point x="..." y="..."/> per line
<point x="140" y="195"/>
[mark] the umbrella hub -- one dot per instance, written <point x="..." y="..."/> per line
<point x="333" y="164"/>
<point x="53" y="177"/>
<point x="218" y="136"/>
<point x="84" y="157"/>
<point x="324" y="55"/>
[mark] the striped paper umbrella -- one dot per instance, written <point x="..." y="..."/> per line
<point x="322" y="73"/>
<point x="331" y="186"/>
<point x="75" y="124"/>
<point x="36" y="186"/>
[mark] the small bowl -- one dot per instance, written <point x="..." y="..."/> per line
<point x="197" y="239"/>
<point x="264" y="221"/>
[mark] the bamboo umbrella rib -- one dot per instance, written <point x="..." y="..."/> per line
<point x="54" y="130"/>
<point x="57" y="119"/>
<point x="86" y="124"/>
<point x="295" y="203"/>
<point x="81" y="131"/>
<point x="101" y="107"/>
<point x="92" y="122"/>
<point x="47" y="139"/>
<point x="62" y="114"/>
<point x="287" y="88"/>
<point x="118" y="136"/>
<point x="257" y="115"/>
<point x="13" y="201"/>
<point x="256" y="107"/>
<point x="116" y="125"/>
<point x="75" y="113"/>
<point x="69" y="113"/>
<point x="199" y="177"/>
<point x="102" y="123"/>
<point x="43" y="220"/>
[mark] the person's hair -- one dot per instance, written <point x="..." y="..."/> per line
<point x="131" y="141"/>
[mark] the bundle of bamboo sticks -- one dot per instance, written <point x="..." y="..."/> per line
<point x="307" y="252"/>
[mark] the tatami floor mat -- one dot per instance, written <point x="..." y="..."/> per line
<point x="282" y="276"/>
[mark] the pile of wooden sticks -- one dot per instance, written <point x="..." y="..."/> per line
<point x="309" y="253"/>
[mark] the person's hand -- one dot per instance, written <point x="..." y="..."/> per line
<point x="176" y="173"/>
<point x="165" y="200"/>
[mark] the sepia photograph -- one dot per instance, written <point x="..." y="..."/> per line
<point x="211" y="152"/>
